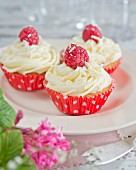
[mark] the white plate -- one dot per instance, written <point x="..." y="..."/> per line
<point x="118" y="112"/>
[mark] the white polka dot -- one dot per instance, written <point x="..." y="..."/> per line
<point x="29" y="88"/>
<point x="19" y="86"/>
<point x="93" y="102"/>
<point x="97" y="107"/>
<point x="75" y="102"/>
<point x="65" y="97"/>
<point x="13" y="77"/>
<point x="66" y="106"/>
<point x="57" y="104"/>
<point x="31" y="81"/>
<point x="39" y="85"/>
<point x="87" y="112"/>
<point x="10" y="80"/>
<point x="22" y="81"/>
<point x="105" y="98"/>
<point x="57" y="97"/>
<point x="84" y="104"/>
<point x="102" y="96"/>
<point x="75" y="111"/>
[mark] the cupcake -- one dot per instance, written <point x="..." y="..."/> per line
<point x="26" y="61"/>
<point x="101" y="50"/>
<point x="78" y="86"/>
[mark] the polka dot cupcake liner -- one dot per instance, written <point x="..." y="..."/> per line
<point x="113" y="66"/>
<point x="77" y="106"/>
<point x="29" y="82"/>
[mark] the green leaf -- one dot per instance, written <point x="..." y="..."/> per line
<point x="28" y="164"/>
<point x="25" y="164"/>
<point x="7" y="114"/>
<point x="11" y="145"/>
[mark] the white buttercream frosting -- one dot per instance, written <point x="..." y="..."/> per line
<point x="22" y="58"/>
<point x="81" y="81"/>
<point x="104" y="52"/>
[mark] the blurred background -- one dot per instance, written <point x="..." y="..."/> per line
<point x="66" y="18"/>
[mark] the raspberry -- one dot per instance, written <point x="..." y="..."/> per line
<point x="89" y="31"/>
<point x="30" y="35"/>
<point x="75" y="56"/>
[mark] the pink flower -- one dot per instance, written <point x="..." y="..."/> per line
<point x="44" y="160"/>
<point x="19" y="116"/>
<point x="43" y="145"/>
<point x="45" y="127"/>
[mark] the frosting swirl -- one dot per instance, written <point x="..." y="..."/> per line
<point x="22" y="58"/>
<point x="104" y="52"/>
<point x="79" y="82"/>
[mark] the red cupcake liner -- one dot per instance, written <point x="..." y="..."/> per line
<point x="28" y="82"/>
<point x="76" y="106"/>
<point x="111" y="68"/>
